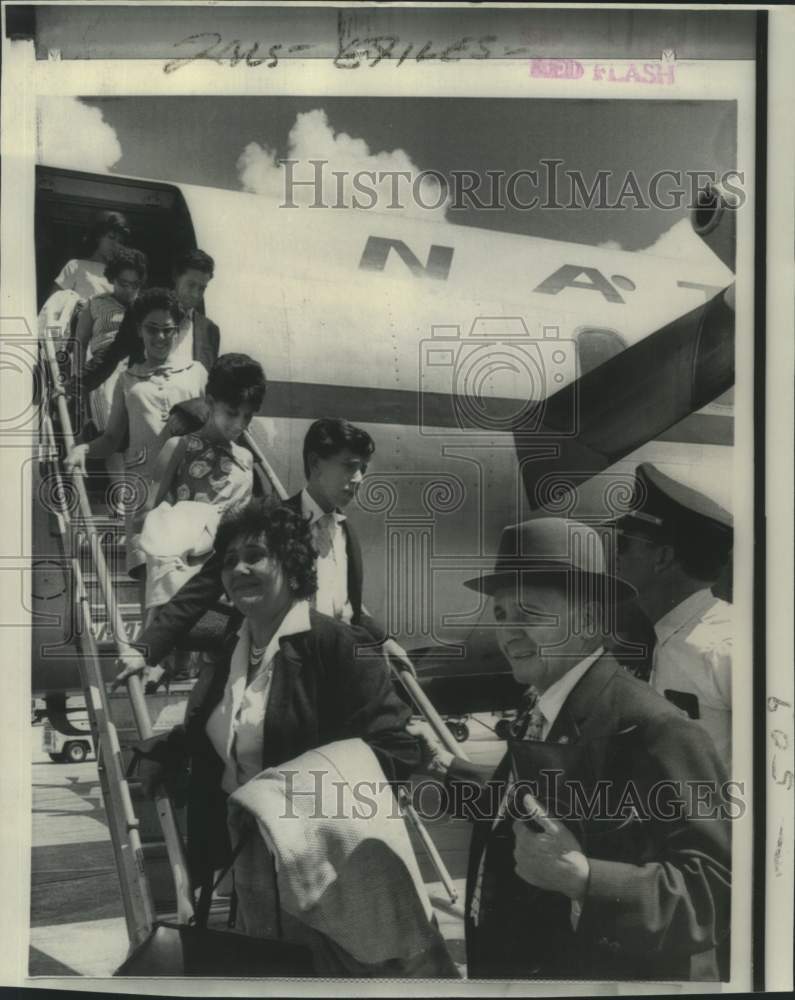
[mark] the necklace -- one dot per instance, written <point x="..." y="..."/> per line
<point x="255" y="657"/>
<point x="256" y="653"/>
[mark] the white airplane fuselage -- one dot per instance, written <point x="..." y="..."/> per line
<point x="434" y="337"/>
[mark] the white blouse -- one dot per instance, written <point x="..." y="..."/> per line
<point x="236" y="726"/>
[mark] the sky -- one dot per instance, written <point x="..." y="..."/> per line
<point x="235" y="143"/>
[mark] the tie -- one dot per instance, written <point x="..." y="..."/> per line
<point x="325" y="527"/>
<point x="529" y="723"/>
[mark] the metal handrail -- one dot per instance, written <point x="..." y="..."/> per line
<point x="137" y="899"/>
<point x="122" y="822"/>
<point x="415" y="692"/>
<point x="165" y="809"/>
<point x="404" y="675"/>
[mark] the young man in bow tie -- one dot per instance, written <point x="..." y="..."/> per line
<point x="617" y="878"/>
<point x="336" y="455"/>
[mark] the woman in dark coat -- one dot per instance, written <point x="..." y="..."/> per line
<point x="289" y="681"/>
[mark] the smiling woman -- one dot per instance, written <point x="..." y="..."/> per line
<point x="142" y="399"/>
<point x="268" y="564"/>
<point x="288" y="681"/>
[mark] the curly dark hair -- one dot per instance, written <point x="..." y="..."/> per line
<point x="151" y="299"/>
<point x="238" y="380"/>
<point x="287" y="535"/>
<point x="127" y="259"/>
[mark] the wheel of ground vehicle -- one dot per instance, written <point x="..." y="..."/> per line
<point x="56" y="758"/>
<point x="503" y="729"/>
<point x="460" y="730"/>
<point x="76" y="752"/>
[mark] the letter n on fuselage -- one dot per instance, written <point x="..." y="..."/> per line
<point x="377" y="249"/>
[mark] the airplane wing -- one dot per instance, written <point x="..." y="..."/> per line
<point x="631" y="399"/>
<point x="643" y="393"/>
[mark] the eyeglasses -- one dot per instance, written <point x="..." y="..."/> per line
<point x="154" y="329"/>
<point x="128" y="285"/>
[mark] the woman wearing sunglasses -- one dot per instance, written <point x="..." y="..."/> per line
<point x="142" y="399"/>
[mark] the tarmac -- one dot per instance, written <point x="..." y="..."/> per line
<point x="77" y="925"/>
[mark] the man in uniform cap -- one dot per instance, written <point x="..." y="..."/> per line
<point x="674" y="547"/>
<point x="596" y="887"/>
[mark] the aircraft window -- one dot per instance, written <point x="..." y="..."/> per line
<point x="595" y="346"/>
<point x="708" y="212"/>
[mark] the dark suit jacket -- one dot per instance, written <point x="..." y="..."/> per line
<point x="201" y="593"/>
<point x="127" y="344"/>
<point x="353" y="551"/>
<point x="320" y="692"/>
<point x="659" y="889"/>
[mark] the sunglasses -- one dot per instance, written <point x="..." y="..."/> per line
<point x="154" y="329"/>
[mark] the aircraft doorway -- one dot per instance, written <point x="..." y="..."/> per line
<point x="68" y="202"/>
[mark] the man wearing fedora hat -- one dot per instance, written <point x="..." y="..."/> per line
<point x="614" y="877"/>
<point x="674" y="546"/>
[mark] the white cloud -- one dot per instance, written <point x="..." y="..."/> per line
<point x="72" y="134"/>
<point x="678" y="241"/>
<point x="313" y="138"/>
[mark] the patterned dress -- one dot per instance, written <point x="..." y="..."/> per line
<point x="210" y="472"/>
<point x="213" y="472"/>
<point x="147" y="395"/>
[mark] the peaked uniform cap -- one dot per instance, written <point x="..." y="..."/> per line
<point x="663" y="502"/>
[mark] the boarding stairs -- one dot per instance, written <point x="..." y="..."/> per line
<point x="147" y="840"/>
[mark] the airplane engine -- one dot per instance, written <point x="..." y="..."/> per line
<point x="714" y="220"/>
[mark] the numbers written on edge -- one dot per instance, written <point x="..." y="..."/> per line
<point x="781" y="743"/>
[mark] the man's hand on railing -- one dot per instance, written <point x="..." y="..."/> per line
<point x="75" y="460"/>
<point x="158" y="677"/>
<point x="131" y="663"/>
<point x="435" y="759"/>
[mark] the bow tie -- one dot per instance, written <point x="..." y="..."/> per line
<point x="324" y="530"/>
